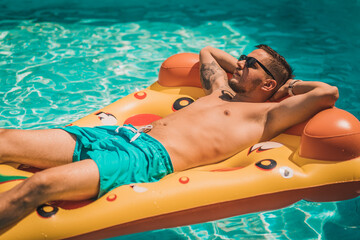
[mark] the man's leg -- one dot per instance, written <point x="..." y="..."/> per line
<point x="74" y="181"/>
<point x="37" y="148"/>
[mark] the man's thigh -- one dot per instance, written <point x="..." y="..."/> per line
<point x="74" y="181"/>
<point x="38" y="148"/>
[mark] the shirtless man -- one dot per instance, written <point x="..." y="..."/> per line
<point x="233" y="116"/>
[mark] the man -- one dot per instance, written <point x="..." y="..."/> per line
<point x="233" y="116"/>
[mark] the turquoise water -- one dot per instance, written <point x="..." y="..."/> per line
<point x="61" y="60"/>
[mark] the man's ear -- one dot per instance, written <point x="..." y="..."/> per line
<point x="269" y="84"/>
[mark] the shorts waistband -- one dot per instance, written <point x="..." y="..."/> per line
<point x="137" y="132"/>
<point x="152" y="142"/>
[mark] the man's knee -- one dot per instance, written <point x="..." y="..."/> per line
<point x="31" y="193"/>
<point x="40" y="183"/>
<point x="37" y="188"/>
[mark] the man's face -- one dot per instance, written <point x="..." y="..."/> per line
<point x="247" y="77"/>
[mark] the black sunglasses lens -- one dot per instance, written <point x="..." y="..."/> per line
<point x="242" y="57"/>
<point x="250" y="62"/>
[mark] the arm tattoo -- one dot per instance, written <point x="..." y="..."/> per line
<point x="209" y="72"/>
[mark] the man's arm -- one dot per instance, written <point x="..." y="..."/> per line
<point x="310" y="98"/>
<point x="214" y="63"/>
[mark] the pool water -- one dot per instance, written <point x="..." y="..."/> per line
<point x="61" y="60"/>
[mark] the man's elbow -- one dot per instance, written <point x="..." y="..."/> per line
<point x="331" y="95"/>
<point x="334" y="94"/>
<point x="207" y="48"/>
<point x="204" y="51"/>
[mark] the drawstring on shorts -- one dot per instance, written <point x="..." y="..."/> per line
<point x="145" y="129"/>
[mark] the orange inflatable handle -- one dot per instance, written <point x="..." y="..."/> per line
<point x="182" y="69"/>
<point x="332" y="134"/>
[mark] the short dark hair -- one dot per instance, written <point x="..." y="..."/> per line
<point x="278" y="65"/>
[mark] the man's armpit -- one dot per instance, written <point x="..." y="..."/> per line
<point x="209" y="72"/>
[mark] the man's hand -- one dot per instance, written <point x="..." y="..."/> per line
<point x="283" y="91"/>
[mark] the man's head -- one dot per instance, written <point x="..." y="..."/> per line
<point x="260" y="74"/>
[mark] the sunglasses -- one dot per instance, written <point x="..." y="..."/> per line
<point x="250" y="62"/>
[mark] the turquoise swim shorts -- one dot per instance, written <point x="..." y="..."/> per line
<point x="120" y="161"/>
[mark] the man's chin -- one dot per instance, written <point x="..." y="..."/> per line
<point x="235" y="87"/>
